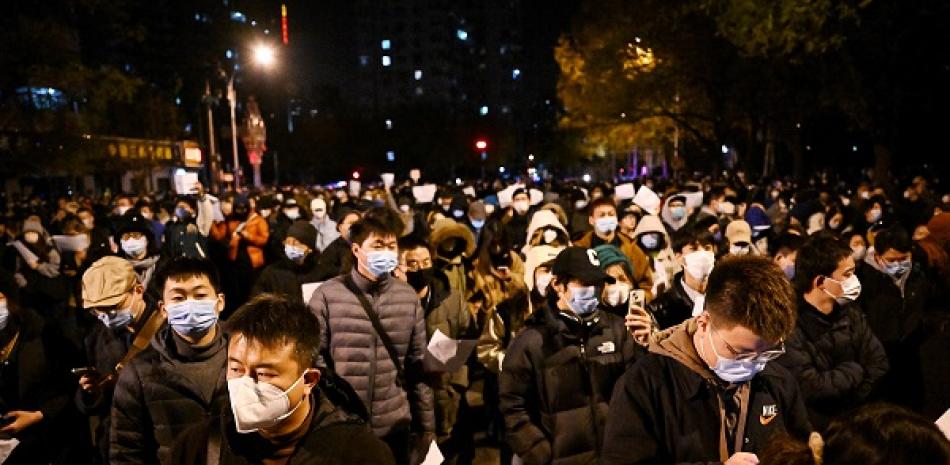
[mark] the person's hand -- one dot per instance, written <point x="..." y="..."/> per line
<point x="33" y="264"/>
<point x="742" y="458"/>
<point x="21" y="421"/>
<point x="89" y="383"/>
<point x="640" y="325"/>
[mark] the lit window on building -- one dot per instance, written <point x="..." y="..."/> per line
<point x="389" y="123"/>
<point x="386" y="44"/>
<point x="229" y="54"/>
<point x="387" y="60"/>
<point x="483" y="110"/>
<point x="41" y="98"/>
<point x="461" y="34"/>
<point x="238" y="17"/>
<point x="364" y="60"/>
<point x="419" y="91"/>
<point x="515" y="73"/>
<point x="417" y="74"/>
<point x="390" y="155"/>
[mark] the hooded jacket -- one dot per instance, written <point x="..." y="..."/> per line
<point x="664" y="263"/>
<point x="544" y="219"/>
<point x="326" y="232"/>
<point x="673" y="306"/>
<point x="453" y="267"/>
<point x="671" y="408"/>
<point x="256" y="233"/>
<point x="556" y="385"/>
<point x="285" y="277"/>
<point x="157" y="397"/>
<point x="504" y="308"/>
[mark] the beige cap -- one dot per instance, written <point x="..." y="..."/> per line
<point x="106" y="282"/>
<point x="739" y="231"/>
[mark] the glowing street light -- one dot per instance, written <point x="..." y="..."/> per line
<point x="265" y="55"/>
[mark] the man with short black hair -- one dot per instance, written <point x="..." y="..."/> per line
<point x="272" y="348"/>
<point x="705" y="392"/>
<point x="694" y="251"/>
<point x="832" y="351"/>
<point x="375" y="336"/>
<point x="179" y="380"/>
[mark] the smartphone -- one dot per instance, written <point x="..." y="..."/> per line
<point x="638" y="298"/>
<point x="83" y="371"/>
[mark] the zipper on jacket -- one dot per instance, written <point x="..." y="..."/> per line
<point x="590" y="385"/>
<point x="371" y="393"/>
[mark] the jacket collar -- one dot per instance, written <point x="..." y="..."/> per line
<point x="367" y="286"/>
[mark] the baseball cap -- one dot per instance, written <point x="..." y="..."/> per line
<point x="738" y="231"/>
<point x="106" y="282"/>
<point x="581" y="264"/>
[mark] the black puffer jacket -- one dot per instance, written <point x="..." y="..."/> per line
<point x="556" y="382"/>
<point x="334" y="259"/>
<point x="104" y="347"/>
<point x="836" y="358"/>
<point x="334" y="438"/>
<point x="673" y="306"/>
<point x="285" y="278"/>
<point x="155" y="400"/>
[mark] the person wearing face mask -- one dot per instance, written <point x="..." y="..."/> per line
<point x="516" y="217"/>
<point x="245" y="234"/>
<point x="558" y="376"/>
<point x="178" y="381"/>
<point x="183" y="233"/>
<point x="785" y="251"/>
<point x="476" y="217"/>
<point x="297" y="267"/>
<point x="897" y="299"/>
<point x="147" y="208"/>
<point x="111" y="291"/>
<point x="289" y="212"/>
<point x="693" y="251"/>
<point x="446" y="312"/>
<point x="655" y="242"/>
<point x="279" y="411"/>
<point x="324" y="225"/>
<point x="37" y="269"/>
<point x="136" y="246"/>
<point x="705" y="391"/>
<point x="675" y="214"/>
<point x="615" y="296"/>
<point x="578" y="212"/>
<point x="603" y="217"/>
<point x="537" y="273"/>
<point x="375" y="336"/>
<point x="454" y="246"/>
<point x="99" y="237"/>
<point x="739" y="238"/>
<point x="36" y="386"/>
<point x="545" y="229"/>
<point x="832" y="351"/>
<point x="630" y="214"/>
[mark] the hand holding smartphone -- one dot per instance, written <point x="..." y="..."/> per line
<point x="639" y="321"/>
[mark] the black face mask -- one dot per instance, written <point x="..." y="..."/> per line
<point x="419" y="279"/>
<point x="451" y="248"/>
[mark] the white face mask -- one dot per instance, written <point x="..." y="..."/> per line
<point x="319" y="208"/>
<point x="549" y="236"/>
<point x="699" y="264"/>
<point x="520" y="206"/>
<point x="258" y="405"/>
<point x="617" y="294"/>
<point x="851" y="290"/>
<point x="541" y="283"/>
<point x="859" y="252"/>
<point x="739" y="250"/>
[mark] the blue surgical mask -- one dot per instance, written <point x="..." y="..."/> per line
<point x="477" y="224"/>
<point x="789" y="271"/>
<point x="649" y="241"/>
<point x="116" y="319"/>
<point x="583" y="300"/>
<point x="182" y="214"/>
<point x="4" y="315"/>
<point x="897" y="269"/>
<point x="733" y="371"/>
<point x="192" y="318"/>
<point x="678" y="213"/>
<point x="606" y="224"/>
<point x="134" y="247"/>
<point x="294" y="253"/>
<point x="381" y="262"/>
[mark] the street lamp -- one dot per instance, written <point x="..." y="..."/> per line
<point x="266" y="57"/>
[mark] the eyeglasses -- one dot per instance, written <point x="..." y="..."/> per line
<point x="755" y="357"/>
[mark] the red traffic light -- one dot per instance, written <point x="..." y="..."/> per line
<point x="481" y="144"/>
<point x="356" y="175"/>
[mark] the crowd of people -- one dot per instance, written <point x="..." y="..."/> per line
<point x="695" y="320"/>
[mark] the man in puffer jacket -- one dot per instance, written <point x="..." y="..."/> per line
<point x="559" y="374"/>
<point x="390" y="383"/>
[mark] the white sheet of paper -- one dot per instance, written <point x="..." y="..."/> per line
<point x="424" y="193"/>
<point x="469" y="191"/>
<point x="355" y="187"/>
<point x="388" y="179"/>
<point x="504" y="198"/>
<point x="647" y="200"/>
<point x="624" y="191"/>
<point x="185" y="182"/>
<point x="434" y="456"/>
<point x="307" y="290"/>
<point x="442" y="347"/>
<point x="415" y="174"/>
<point x="25" y="252"/>
<point x="944" y="423"/>
<point x="216" y="213"/>
<point x="536" y="196"/>
<point x="7" y="446"/>
<point x="67" y="243"/>
<point x="693" y="199"/>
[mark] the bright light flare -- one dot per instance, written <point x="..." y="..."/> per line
<point x="265" y="55"/>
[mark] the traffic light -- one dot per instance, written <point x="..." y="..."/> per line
<point x="481" y="144"/>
